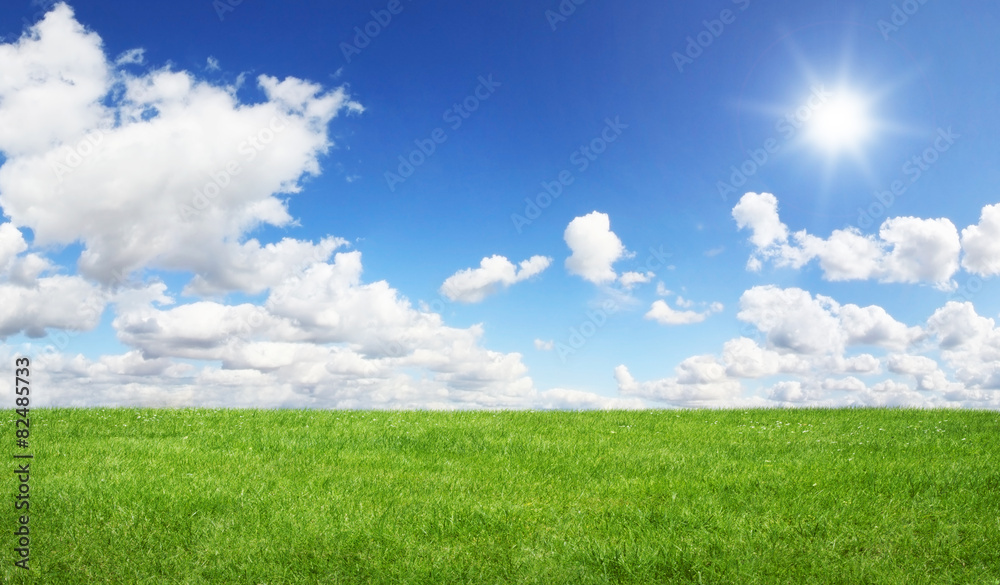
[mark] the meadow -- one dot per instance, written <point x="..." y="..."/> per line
<point x="853" y="496"/>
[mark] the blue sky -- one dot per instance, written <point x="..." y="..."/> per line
<point x="662" y="274"/>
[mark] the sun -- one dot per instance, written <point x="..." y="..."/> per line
<point x="841" y="123"/>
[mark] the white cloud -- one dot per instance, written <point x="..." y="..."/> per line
<point x="54" y="77"/>
<point x="970" y="344"/>
<point x="743" y="358"/>
<point x="31" y="304"/>
<point x="252" y="268"/>
<point x="181" y="170"/>
<point x="698" y="381"/>
<point x="787" y="391"/>
<point x="848" y="384"/>
<point x="565" y="399"/>
<point x="56" y="302"/>
<point x="333" y="340"/>
<point x="11" y="244"/>
<point x="759" y="213"/>
<point x="544" y="345"/>
<point x="331" y="378"/>
<point x="981" y="243"/>
<point x="131" y="57"/>
<point x="907" y="249"/>
<point x="923" y="369"/>
<point x="472" y="285"/>
<point x="793" y="320"/>
<point x="922" y="250"/>
<point x="845" y="255"/>
<point x="872" y="325"/>
<point x="806" y="337"/>
<point x="663" y="314"/>
<point x="630" y="279"/>
<point x="865" y="363"/>
<point x="595" y="248"/>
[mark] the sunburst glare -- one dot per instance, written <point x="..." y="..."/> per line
<point x="842" y="123"/>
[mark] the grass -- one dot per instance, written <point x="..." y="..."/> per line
<point x="749" y="497"/>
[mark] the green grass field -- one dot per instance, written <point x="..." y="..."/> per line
<point x="743" y="497"/>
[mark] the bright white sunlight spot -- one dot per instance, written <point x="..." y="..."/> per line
<point x="840" y="124"/>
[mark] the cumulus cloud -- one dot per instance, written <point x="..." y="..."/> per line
<point x="759" y="214"/>
<point x="907" y="249"/>
<point x="595" y="248"/>
<point x="805" y="340"/>
<point x="31" y="303"/>
<point x="54" y="78"/>
<point x="698" y="381"/>
<point x="744" y="358"/>
<point x="793" y="320"/>
<point x="472" y="285"/>
<point x="981" y="243"/>
<point x="872" y="325"/>
<point x="11" y="244"/>
<point x="167" y="171"/>
<point x="921" y="250"/>
<point x="252" y="268"/>
<point x="787" y="391"/>
<point x="923" y="369"/>
<point x="56" y="302"/>
<point x="325" y="338"/>
<point x="865" y="363"/>
<point x="970" y="344"/>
